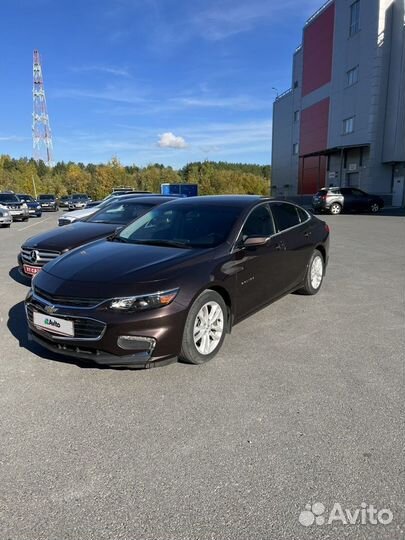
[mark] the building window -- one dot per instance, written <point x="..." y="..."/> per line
<point x="295" y="149"/>
<point x="354" y="18"/>
<point x="353" y="76"/>
<point x="296" y="116"/>
<point x="348" y="125"/>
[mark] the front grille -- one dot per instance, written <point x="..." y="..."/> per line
<point x="68" y="301"/>
<point x="83" y="328"/>
<point x="40" y="258"/>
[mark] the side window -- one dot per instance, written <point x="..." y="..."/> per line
<point x="357" y="193"/>
<point x="285" y="216"/>
<point x="302" y="214"/>
<point x="259" y="223"/>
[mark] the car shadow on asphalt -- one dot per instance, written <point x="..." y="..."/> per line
<point x="17" y="324"/>
<point x="16" y="276"/>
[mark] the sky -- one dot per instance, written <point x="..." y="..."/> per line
<point x="146" y="81"/>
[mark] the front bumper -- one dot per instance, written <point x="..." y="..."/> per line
<point x="163" y="325"/>
<point x="19" y="214"/>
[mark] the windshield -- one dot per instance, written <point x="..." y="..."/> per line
<point x="120" y="213"/>
<point x="46" y="197"/>
<point x="27" y="198"/>
<point x="78" y="197"/>
<point x="185" y="226"/>
<point x="9" y="198"/>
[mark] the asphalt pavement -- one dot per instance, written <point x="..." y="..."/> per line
<point x="303" y="405"/>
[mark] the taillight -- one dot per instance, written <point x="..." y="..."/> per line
<point x="323" y="197"/>
<point x="327" y="229"/>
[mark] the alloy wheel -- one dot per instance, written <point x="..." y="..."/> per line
<point x="335" y="209"/>
<point x="316" y="272"/>
<point x="208" y="327"/>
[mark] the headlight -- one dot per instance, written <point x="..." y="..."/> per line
<point x="141" y="303"/>
<point x="39" y="207"/>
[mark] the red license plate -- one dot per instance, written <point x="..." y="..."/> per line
<point x="31" y="270"/>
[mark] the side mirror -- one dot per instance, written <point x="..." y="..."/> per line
<point x="255" y="241"/>
<point x="118" y="229"/>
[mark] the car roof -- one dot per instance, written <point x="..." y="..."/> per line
<point x="241" y="201"/>
<point x="154" y="199"/>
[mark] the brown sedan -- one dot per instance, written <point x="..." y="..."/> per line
<point x="174" y="282"/>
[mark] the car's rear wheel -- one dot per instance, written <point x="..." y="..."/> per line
<point x="205" y="328"/>
<point x="374" y="208"/>
<point x="335" y="209"/>
<point x="315" y="274"/>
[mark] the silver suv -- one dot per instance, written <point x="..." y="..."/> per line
<point x="338" y="199"/>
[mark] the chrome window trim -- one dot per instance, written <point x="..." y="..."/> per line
<point x="270" y="202"/>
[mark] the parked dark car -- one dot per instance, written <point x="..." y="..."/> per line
<point x="48" y="203"/>
<point x="44" y="247"/>
<point x="338" y="199"/>
<point x="64" y="201"/>
<point x="176" y="280"/>
<point x="34" y="208"/>
<point x="17" y="208"/>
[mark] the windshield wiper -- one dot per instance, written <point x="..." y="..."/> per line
<point x="114" y="238"/>
<point x="168" y="243"/>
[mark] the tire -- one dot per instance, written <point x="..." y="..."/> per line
<point x="374" y="208"/>
<point x="192" y="348"/>
<point x="24" y="219"/>
<point x="335" y="208"/>
<point x="314" y="275"/>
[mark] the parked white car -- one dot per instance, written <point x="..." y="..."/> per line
<point x="5" y="216"/>
<point x="77" y="215"/>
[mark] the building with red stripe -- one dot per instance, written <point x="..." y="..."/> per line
<point x="342" y="122"/>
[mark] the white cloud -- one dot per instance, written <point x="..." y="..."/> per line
<point x="108" y="70"/>
<point x="169" y="140"/>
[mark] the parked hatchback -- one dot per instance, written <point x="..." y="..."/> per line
<point x="338" y="199"/>
<point x="175" y="281"/>
<point x="44" y="247"/>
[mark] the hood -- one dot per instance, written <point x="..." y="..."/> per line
<point x="80" y="214"/>
<point x="70" y="236"/>
<point x="116" y="265"/>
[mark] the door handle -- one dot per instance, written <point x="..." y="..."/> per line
<point x="307" y="234"/>
<point x="280" y="246"/>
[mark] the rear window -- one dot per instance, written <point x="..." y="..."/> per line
<point x="285" y="216"/>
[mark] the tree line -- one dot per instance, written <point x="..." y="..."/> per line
<point x="213" y="178"/>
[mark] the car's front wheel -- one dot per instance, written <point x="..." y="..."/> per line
<point x="374" y="207"/>
<point x="205" y="328"/>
